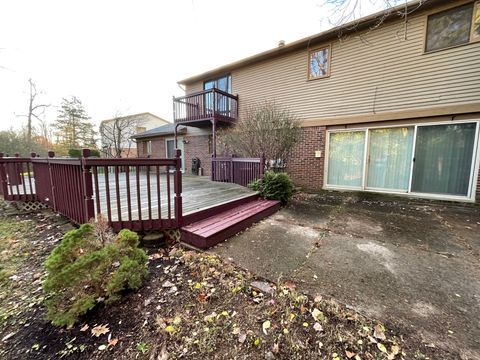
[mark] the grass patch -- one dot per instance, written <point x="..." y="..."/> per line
<point x="14" y="234"/>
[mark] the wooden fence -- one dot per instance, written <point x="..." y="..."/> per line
<point x="241" y="171"/>
<point x="135" y="193"/>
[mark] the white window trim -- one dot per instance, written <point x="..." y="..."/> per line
<point x="474" y="171"/>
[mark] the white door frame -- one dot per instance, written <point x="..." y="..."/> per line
<point x="180" y="146"/>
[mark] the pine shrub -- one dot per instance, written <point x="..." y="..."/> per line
<point x="274" y="186"/>
<point x="84" y="270"/>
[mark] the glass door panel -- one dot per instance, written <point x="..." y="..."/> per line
<point x="346" y="158"/>
<point x="443" y="159"/>
<point x="390" y="158"/>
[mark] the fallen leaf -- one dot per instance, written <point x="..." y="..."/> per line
<point x="170" y="329"/>
<point x="318" y="327"/>
<point x="275" y="348"/>
<point x="318" y="315"/>
<point x="202" y="298"/>
<point x="350" y="354"/>
<point x="113" y="342"/>
<point x="102" y="347"/>
<point x="100" y="330"/>
<point x="242" y="337"/>
<point x="265" y="326"/>
<point x="167" y="284"/>
<point x="236" y="331"/>
<point x="84" y="327"/>
<point x="379" y="332"/>
<point x="382" y="348"/>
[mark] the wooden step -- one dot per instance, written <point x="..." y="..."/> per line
<point x="217" y="228"/>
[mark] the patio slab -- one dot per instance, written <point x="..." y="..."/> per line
<point x="409" y="263"/>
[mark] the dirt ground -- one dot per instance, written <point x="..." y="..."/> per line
<point x="412" y="264"/>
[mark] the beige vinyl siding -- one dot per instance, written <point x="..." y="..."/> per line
<point x="375" y="73"/>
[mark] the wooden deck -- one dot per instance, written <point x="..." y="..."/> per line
<point x="198" y="193"/>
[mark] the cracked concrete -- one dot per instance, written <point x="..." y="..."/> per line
<point x="412" y="264"/>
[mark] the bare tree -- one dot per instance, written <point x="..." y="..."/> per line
<point x="34" y="110"/>
<point x="265" y="128"/>
<point x="349" y="11"/>
<point x="116" y="135"/>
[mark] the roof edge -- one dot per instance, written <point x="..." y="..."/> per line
<point x="349" y="27"/>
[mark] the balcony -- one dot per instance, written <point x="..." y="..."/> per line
<point x="200" y="108"/>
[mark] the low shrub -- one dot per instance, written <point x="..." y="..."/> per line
<point x="274" y="186"/>
<point x="76" y="153"/>
<point x="84" y="270"/>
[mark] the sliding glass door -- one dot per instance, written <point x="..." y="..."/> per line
<point x="443" y="159"/>
<point x="390" y="158"/>
<point x="346" y="158"/>
<point x="435" y="159"/>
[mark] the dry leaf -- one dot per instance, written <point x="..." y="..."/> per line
<point x="113" y="342"/>
<point x="275" y="348"/>
<point x="265" y="326"/>
<point x="100" y="330"/>
<point x="84" y="327"/>
<point x="242" y="337"/>
<point x="350" y="354"/>
<point x="379" y="332"/>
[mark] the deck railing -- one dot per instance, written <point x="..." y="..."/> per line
<point x="205" y="105"/>
<point x="241" y="171"/>
<point x="134" y="193"/>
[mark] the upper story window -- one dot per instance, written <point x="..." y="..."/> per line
<point x="453" y="27"/>
<point x="476" y="22"/>
<point x="223" y="83"/>
<point x="319" y="63"/>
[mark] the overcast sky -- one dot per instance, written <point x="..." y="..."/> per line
<point x="126" y="56"/>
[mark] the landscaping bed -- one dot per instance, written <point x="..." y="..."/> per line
<point x="192" y="306"/>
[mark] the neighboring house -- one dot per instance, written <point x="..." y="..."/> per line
<point x="393" y="108"/>
<point x="116" y="134"/>
<point x="193" y="142"/>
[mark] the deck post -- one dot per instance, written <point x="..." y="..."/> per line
<point x="51" y="155"/>
<point x="87" y="187"/>
<point x="262" y="165"/>
<point x="178" y="188"/>
<point x="214" y="137"/>
<point x="3" y="178"/>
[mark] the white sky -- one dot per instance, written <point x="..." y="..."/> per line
<point x="127" y="56"/>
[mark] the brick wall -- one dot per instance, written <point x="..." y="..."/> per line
<point x="198" y="146"/>
<point x="304" y="168"/>
<point x="477" y="193"/>
<point x="158" y="148"/>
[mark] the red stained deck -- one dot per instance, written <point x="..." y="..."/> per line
<point x="212" y="230"/>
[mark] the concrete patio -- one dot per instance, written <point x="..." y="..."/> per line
<point x="411" y="264"/>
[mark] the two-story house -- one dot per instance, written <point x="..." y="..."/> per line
<point x="390" y="103"/>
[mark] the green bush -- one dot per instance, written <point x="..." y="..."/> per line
<point x="274" y="186"/>
<point x="76" y="153"/>
<point x="84" y="270"/>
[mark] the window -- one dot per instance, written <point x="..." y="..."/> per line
<point x="319" y="63"/>
<point x="223" y="83"/>
<point x="140" y="129"/>
<point x="149" y="148"/>
<point x="223" y="103"/>
<point x="453" y="27"/>
<point x="434" y="159"/>
<point x="476" y="22"/>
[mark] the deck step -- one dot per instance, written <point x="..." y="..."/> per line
<point x="217" y="228"/>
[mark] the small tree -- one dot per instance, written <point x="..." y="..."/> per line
<point x="265" y="128"/>
<point x="72" y="126"/>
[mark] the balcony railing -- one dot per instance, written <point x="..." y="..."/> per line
<point x="212" y="104"/>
